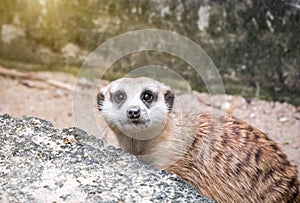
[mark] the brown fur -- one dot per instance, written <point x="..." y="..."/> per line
<point x="243" y="166"/>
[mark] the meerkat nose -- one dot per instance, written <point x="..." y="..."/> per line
<point x="134" y="112"/>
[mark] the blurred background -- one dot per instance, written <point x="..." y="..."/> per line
<point x="255" y="44"/>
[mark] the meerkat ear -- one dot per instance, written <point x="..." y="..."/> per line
<point x="169" y="99"/>
<point x="100" y="100"/>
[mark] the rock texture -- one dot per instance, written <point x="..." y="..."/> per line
<point x="39" y="163"/>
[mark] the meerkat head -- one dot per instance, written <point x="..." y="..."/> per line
<point x="138" y="107"/>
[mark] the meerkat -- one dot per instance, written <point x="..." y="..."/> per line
<point x="226" y="159"/>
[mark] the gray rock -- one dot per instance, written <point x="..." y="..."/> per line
<point x="39" y="163"/>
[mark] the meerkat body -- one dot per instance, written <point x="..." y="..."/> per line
<point x="224" y="158"/>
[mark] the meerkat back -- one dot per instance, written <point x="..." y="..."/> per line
<point x="244" y="165"/>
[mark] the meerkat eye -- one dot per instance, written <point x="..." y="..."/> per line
<point x="120" y="97"/>
<point x="147" y="96"/>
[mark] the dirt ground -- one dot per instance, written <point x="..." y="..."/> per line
<point x="20" y="97"/>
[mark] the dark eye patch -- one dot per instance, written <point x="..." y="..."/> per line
<point x="148" y="97"/>
<point x="119" y="97"/>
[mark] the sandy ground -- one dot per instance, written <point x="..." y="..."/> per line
<point x="281" y="121"/>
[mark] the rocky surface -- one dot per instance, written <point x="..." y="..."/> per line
<point x="39" y="163"/>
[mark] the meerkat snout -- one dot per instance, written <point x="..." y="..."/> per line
<point x="134" y="113"/>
